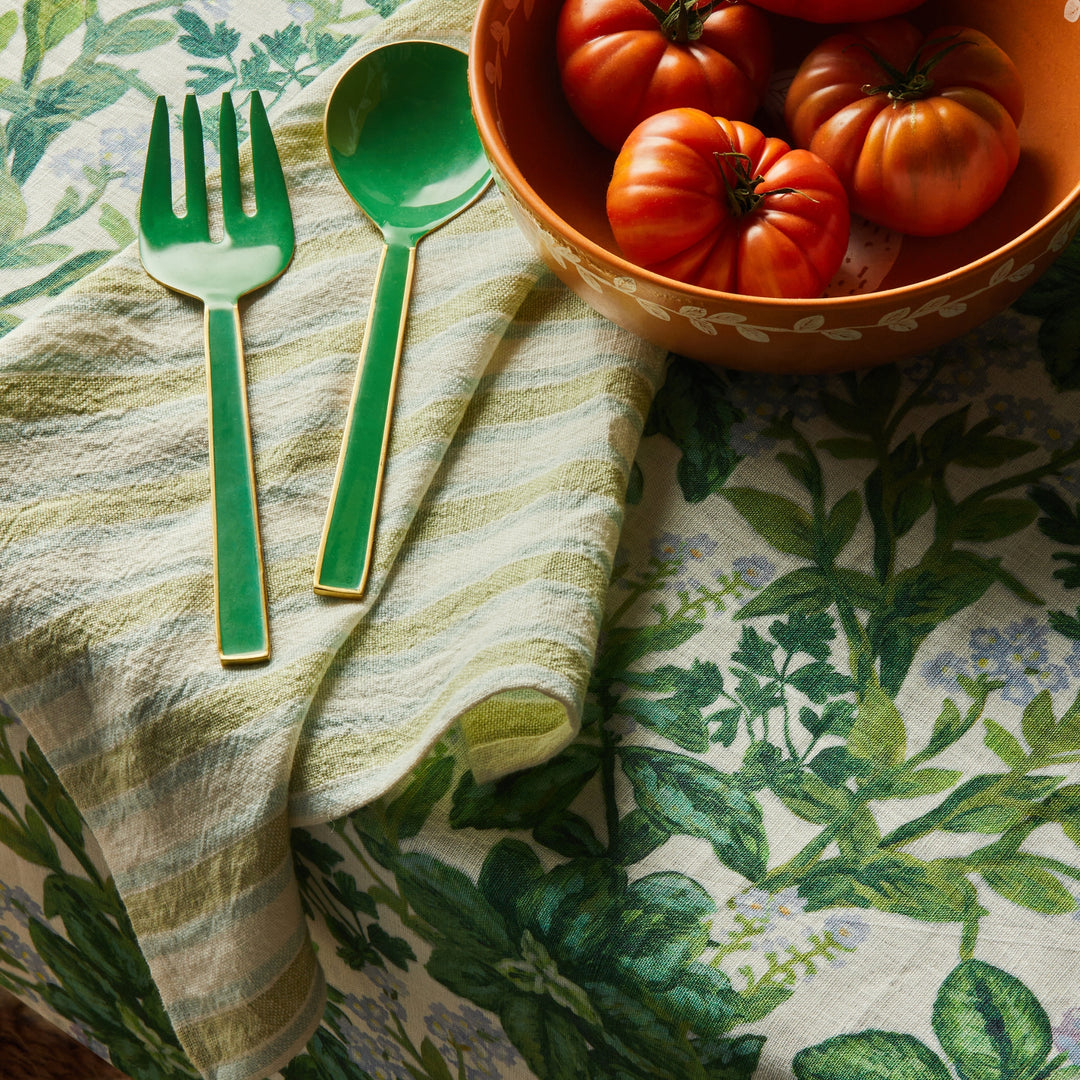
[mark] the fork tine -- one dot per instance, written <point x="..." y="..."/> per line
<point x="155" y="204"/>
<point x="231" y="205"/>
<point x="270" y="190"/>
<point x="196" y="214"/>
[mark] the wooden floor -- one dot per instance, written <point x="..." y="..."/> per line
<point x="33" y="1049"/>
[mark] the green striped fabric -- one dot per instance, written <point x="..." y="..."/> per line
<point x="518" y="415"/>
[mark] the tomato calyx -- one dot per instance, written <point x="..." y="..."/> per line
<point x="914" y="82"/>
<point x="684" y="20"/>
<point x="743" y="196"/>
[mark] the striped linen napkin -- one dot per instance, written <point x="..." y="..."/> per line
<point x="518" y="415"/>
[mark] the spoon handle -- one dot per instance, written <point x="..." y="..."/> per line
<point x="344" y="560"/>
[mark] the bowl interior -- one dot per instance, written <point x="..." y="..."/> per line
<point x="569" y="171"/>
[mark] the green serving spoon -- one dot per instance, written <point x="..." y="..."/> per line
<point x="402" y="140"/>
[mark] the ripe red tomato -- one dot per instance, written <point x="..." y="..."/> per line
<point x="623" y="60"/>
<point x="717" y="203"/>
<point x="922" y="130"/>
<point x="837" y="11"/>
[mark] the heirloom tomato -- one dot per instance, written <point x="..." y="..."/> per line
<point x="623" y="60"/>
<point x="922" y="129"/>
<point x="716" y="203"/>
<point x="838" y="11"/>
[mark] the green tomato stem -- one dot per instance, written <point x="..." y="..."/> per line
<point x="684" y="20"/>
<point x="742" y="195"/>
<point x="915" y="81"/>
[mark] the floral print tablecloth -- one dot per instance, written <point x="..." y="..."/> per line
<point x="823" y="816"/>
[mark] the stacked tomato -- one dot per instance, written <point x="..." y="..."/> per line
<point x="916" y="132"/>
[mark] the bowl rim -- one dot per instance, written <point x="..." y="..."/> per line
<point x="488" y="126"/>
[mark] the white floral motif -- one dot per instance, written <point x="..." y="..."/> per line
<point x="1072" y="10"/>
<point x="590" y="278"/>
<point x="899" y="320"/>
<point x="654" y="309"/>
<point x="902" y="320"/>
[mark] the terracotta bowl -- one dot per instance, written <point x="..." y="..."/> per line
<point x="895" y="295"/>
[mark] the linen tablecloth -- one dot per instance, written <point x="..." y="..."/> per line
<point x="810" y="810"/>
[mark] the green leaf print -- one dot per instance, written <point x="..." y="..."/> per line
<point x="1060" y="522"/>
<point x="201" y="40"/>
<point x="12" y="210"/>
<point x="1024" y="880"/>
<point x="1053" y="298"/>
<point x="732" y="1059"/>
<point x="994" y="519"/>
<point x="805" y="591"/>
<point x="987" y="804"/>
<point x="624" y="645"/>
<point x="693" y="409"/>
<point x="446" y="898"/>
<point x="9" y="23"/>
<point x="878" y="733"/>
<point x="134" y="36"/>
<point x="685" y="796"/>
<point x="326" y="1057"/>
<point x="46" y="23"/>
<point x="510" y="868"/>
<point x="638" y="837"/>
<point x="679" y="717"/>
<point x="527" y="799"/>
<point x="990" y="1024"/>
<point x="407" y="812"/>
<point x="545" y="1035"/>
<point x="951" y="724"/>
<point x="929" y="892"/>
<point x="870" y="1055"/>
<point x="434" y="1065"/>
<point x="776" y="519"/>
<point x="568" y="834"/>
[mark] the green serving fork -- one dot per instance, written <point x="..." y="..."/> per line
<point x="254" y="249"/>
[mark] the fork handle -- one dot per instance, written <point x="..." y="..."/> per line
<point x="344" y="559"/>
<point x="239" y="577"/>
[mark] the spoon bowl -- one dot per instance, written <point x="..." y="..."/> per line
<point x="402" y="140"/>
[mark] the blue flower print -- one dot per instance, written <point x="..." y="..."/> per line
<point x="1071" y="660"/>
<point x="368" y="1009"/>
<point x="300" y="12"/>
<point x="378" y="1055"/>
<point x="13" y="946"/>
<point x="753" y="904"/>
<point x="80" y="1034"/>
<point x="1032" y="418"/>
<point x="1067" y="1034"/>
<point x="470" y="1033"/>
<point x="766" y="906"/>
<point x="392" y="988"/>
<point x="848" y="929"/>
<point x="681" y="551"/>
<point x="747" y="437"/>
<point x="215" y="9"/>
<point x="944" y="670"/>
<point x="754" y="570"/>
<point x="1020" y="655"/>
<point x="19" y="903"/>
<point x="762" y="398"/>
